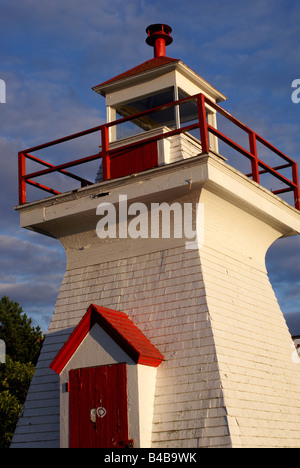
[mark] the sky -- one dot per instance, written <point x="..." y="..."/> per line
<point x="53" y="51"/>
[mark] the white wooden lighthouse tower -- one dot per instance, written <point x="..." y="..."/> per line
<point x="161" y="339"/>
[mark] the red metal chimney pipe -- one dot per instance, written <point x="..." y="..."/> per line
<point x="159" y="37"/>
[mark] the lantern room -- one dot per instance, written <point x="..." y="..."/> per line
<point x="159" y="112"/>
<point x="151" y="85"/>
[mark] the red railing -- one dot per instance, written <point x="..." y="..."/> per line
<point x="258" y="167"/>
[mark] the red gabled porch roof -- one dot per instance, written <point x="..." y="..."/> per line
<point x="120" y="328"/>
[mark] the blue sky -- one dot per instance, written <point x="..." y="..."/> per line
<point x="53" y="52"/>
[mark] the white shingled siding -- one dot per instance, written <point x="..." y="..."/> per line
<point x="174" y="318"/>
<point x="260" y="382"/>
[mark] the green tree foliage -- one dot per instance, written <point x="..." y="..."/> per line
<point x="23" y="345"/>
<point x="15" y="378"/>
<point x="23" y="342"/>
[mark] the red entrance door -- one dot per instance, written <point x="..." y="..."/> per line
<point x="98" y="407"/>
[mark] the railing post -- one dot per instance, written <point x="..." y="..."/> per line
<point x="254" y="162"/>
<point x="105" y="155"/>
<point x="22" y="182"/>
<point x="296" y="182"/>
<point x="203" y="123"/>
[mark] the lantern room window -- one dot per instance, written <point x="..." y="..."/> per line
<point x="171" y="117"/>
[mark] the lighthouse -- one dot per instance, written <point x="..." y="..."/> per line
<point x="166" y="332"/>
